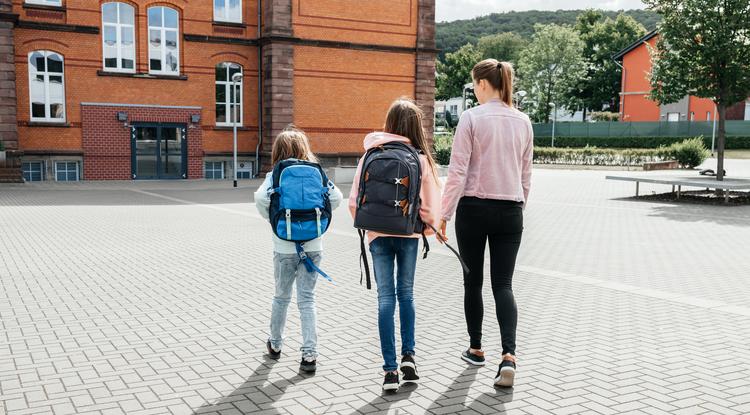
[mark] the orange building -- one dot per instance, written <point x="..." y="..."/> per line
<point x="637" y="107"/>
<point x="142" y="89"/>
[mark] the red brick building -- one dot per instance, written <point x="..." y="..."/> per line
<point x="134" y="89"/>
<point x="635" y="104"/>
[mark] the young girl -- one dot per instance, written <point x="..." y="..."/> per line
<point x="288" y="267"/>
<point x="403" y="124"/>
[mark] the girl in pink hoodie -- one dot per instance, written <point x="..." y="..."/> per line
<point x="403" y="124"/>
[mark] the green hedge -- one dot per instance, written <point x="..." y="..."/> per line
<point x="732" y="143"/>
<point x="592" y="156"/>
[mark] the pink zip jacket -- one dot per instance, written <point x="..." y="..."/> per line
<point x="429" y="191"/>
<point x="491" y="157"/>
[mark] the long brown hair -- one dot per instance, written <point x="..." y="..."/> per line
<point x="292" y="143"/>
<point x="499" y="75"/>
<point x="405" y="119"/>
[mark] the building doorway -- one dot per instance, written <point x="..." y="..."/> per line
<point x="159" y="151"/>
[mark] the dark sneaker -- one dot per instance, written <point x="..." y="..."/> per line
<point x="390" y="381"/>
<point x="506" y="373"/>
<point x="409" y="369"/>
<point x="272" y="353"/>
<point x="473" y="358"/>
<point x="308" y="365"/>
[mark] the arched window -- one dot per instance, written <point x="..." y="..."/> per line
<point x="46" y="86"/>
<point x="163" y="41"/>
<point x="228" y="11"/>
<point x="118" y="36"/>
<point x="225" y="99"/>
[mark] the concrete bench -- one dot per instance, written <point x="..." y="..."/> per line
<point x="661" y="165"/>
<point x="678" y="182"/>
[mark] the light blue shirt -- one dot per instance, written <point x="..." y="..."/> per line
<point x="263" y="201"/>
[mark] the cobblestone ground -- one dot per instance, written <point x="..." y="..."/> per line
<point x="153" y="298"/>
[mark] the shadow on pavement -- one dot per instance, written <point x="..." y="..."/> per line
<point x="382" y="403"/>
<point x="253" y="392"/>
<point x="688" y="212"/>
<point x="458" y="391"/>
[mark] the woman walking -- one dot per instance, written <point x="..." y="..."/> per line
<point x="487" y="188"/>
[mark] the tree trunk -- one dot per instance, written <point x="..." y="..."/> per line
<point x="584" y="114"/>
<point x="720" y="139"/>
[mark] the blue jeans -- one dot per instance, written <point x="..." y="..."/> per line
<point x="288" y="268"/>
<point x="391" y="286"/>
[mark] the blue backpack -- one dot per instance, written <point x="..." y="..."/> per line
<point x="300" y="209"/>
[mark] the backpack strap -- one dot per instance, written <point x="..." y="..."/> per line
<point x="425" y="246"/>
<point x="363" y="259"/>
<point x="309" y="264"/>
<point x="437" y="235"/>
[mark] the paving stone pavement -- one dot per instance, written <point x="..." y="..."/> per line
<point x="153" y="298"/>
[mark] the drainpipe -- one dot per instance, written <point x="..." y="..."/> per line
<point x="622" y="89"/>
<point x="260" y="91"/>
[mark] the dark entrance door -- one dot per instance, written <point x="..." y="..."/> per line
<point x="159" y="151"/>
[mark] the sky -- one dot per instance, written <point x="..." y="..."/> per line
<point x="448" y="10"/>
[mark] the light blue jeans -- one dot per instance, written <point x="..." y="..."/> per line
<point x="395" y="261"/>
<point x="288" y="268"/>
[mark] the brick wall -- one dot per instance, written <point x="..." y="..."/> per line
<point x="107" y="142"/>
<point x="336" y="91"/>
<point x="8" y="129"/>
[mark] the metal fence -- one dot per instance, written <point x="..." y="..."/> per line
<point x="640" y="129"/>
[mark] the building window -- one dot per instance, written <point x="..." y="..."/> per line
<point x="46" y="86"/>
<point x="747" y="111"/>
<point x="66" y="171"/>
<point x="214" y="170"/>
<point x="33" y="171"/>
<point x="244" y="170"/>
<point x="225" y="96"/>
<point x="45" y="2"/>
<point x="673" y="116"/>
<point x="118" y="35"/>
<point x="228" y="11"/>
<point x="163" y="41"/>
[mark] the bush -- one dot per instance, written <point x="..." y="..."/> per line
<point x="689" y="153"/>
<point x="732" y="143"/>
<point x="592" y="156"/>
<point x="605" y="116"/>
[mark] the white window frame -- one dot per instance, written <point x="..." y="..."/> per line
<point x="54" y="3"/>
<point x="43" y="168"/>
<point x="46" y="74"/>
<point x="78" y="170"/>
<point x="672" y="115"/>
<point x="227" y="17"/>
<point x="163" y="32"/>
<point x="227" y="93"/>
<point x="119" y="27"/>
<point x="747" y="111"/>
<point x="205" y="169"/>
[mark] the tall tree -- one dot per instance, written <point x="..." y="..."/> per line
<point x="503" y="46"/>
<point x="550" y="67"/>
<point x="456" y="71"/>
<point x="703" y="50"/>
<point x="602" y="38"/>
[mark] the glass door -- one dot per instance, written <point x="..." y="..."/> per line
<point x="158" y="152"/>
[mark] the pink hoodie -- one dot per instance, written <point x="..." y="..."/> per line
<point x="430" y="190"/>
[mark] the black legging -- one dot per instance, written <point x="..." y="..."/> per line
<point x="500" y="221"/>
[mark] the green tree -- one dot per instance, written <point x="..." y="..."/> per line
<point x="550" y="67"/>
<point x="503" y="46"/>
<point x="455" y="71"/>
<point x="602" y="38"/>
<point x="703" y="50"/>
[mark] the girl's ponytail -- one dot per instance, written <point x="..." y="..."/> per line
<point x="499" y="75"/>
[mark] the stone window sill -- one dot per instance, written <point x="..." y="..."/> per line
<point x="229" y="24"/>
<point x="142" y="75"/>
<point x="47" y="124"/>
<point x="44" y="7"/>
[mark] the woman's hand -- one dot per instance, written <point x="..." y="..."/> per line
<point x="441" y="236"/>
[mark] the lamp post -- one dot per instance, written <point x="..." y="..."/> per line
<point x="235" y="78"/>
<point x="554" y="121"/>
